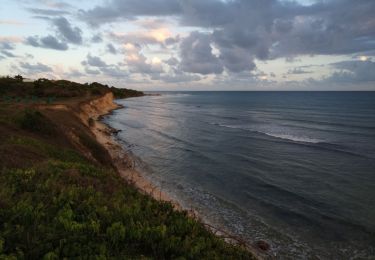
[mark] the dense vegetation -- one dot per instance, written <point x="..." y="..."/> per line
<point x="55" y="202"/>
<point x="125" y="93"/>
<point x="17" y="87"/>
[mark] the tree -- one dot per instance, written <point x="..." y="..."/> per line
<point x="18" y="77"/>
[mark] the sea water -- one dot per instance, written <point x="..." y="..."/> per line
<point x="296" y="169"/>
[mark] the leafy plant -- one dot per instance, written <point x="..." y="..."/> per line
<point x="34" y="121"/>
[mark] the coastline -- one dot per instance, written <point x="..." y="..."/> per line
<point x="55" y="172"/>
<point x="121" y="159"/>
<point x="91" y="115"/>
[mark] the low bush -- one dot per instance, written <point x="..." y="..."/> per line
<point x="67" y="210"/>
<point x="34" y="121"/>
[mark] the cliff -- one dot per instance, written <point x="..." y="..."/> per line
<point x="62" y="196"/>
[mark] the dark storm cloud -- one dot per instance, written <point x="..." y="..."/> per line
<point x="49" y="42"/>
<point x="244" y="30"/>
<point x="67" y="31"/>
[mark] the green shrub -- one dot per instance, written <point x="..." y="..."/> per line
<point x="34" y="121"/>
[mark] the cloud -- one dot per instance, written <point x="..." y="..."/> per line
<point x="12" y="22"/>
<point x="196" y="55"/>
<point x="67" y="31"/>
<point x="177" y="77"/>
<point x="10" y="39"/>
<point x="172" y="40"/>
<point x="5" y="45"/>
<point x="138" y="63"/>
<point x="95" y="65"/>
<point x="74" y="73"/>
<point x="48" y="42"/>
<point x="245" y="30"/>
<point x="94" y="61"/>
<point x="171" y="61"/>
<point x="114" y="71"/>
<point x="111" y="49"/>
<point x="353" y="71"/>
<point x="92" y="71"/>
<point x="298" y="71"/>
<point x="154" y="36"/>
<point x="236" y="59"/>
<point x="97" y="38"/>
<point x="129" y="9"/>
<point x="50" y="4"/>
<point x="34" y="68"/>
<point x="50" y="12"/>
<point x="8" y="54"/>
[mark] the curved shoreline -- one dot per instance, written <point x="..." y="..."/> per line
<point x="91" y="115"/>
<point x="121" y="160"/>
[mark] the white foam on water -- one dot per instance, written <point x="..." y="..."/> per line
<point x="290" y="137"/>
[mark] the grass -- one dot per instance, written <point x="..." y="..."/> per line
<point x="56" y="203"/>
<point x="64" y="207"/>
<point x="35" y="121"/>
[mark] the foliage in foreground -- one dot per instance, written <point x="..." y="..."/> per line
<point x="61" y="205"/>
<point x="55" y="203"/>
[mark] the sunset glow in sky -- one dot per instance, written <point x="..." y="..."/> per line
<point x="193" y="44"/>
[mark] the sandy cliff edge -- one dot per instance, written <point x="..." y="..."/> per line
<point x="90" y="113"/>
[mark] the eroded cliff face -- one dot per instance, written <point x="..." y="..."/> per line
<point x="79" y="123"/>
<point x="96" y="108"/>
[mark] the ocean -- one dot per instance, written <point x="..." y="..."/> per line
<point x="295" y="169"/>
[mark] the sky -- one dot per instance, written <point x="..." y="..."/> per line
<point x="192" y="44"/>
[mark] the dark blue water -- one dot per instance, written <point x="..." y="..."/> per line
<point x="296" y="169"/>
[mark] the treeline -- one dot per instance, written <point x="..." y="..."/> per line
<point x="20" y="87"/>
